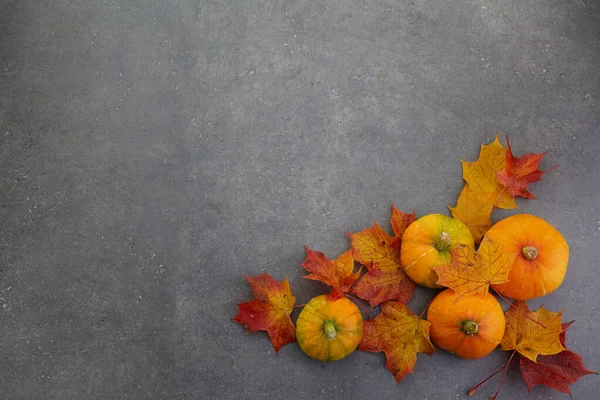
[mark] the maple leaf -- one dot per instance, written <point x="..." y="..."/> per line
<point x="470" y="273"/>
<point x="270" y="311"/>
<point x="518" y="173"/>
<point x="532" y="333"/>
<point x="555" y="371"/>
<point x="339" y="273"/>
<point x="400" y="334"/>
<point x="400" y="221"/>
<point x="482" y="191"/>
<point x="474" y="210"/>
<point x="481" y="175"/>
<point x="380" y="253"/>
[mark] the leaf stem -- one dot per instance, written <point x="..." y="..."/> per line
<point x="503" y="368"/>
<point x="473" y="390"/>
<point x="360" y="274"/>
<point x="518" y="310"/>
<point x="300" y="305"/>
<point x="502" y="193"/>
<point x="426" y="307"/>
<point x="503" y="375"/>
<point x="359" y="303"/>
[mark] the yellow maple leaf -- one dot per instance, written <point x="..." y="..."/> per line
<point x="474" y="210"/>
<point x="400" y="334"/>
<point x="481" y="174"/>
<point x="532" y="333"/>
<point x="482" y="191"/>
<point x="471" y="274"/>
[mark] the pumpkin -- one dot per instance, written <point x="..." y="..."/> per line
<point x="428" y="242"/>
<point x="470" y="328"/>
<point x="329" y="330"/>
<point x="541" y="255"/>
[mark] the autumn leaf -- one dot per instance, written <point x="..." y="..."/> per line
<point x="380" y="253"/>
<point x="270" y="311"/>
<point x="400" y="221"/>
<point x="482" y="191"/>
<point x="400" y="334"/>
<point x="518" y="173"/>
<point x="339" y="273"/>
<point x="481" y="174"/>
<point x="470" y="273"/>
<point x="532" y="333"/>
<point x="555" y="371"/>
<point x="474" y="210"/>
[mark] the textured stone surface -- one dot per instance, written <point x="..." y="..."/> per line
<point x="152" y="152"/>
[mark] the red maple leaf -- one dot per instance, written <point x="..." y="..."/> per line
<point x="556" y="371"/>
<point x="339" y="273"/>
<point x="400" y="221"/>
<point x="520" y="172"/>
<point x="270" y="311"/>
<point x="380" y="253"/>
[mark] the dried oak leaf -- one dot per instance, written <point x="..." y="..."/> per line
<point x="380" y="253"/>
<point x="339" y="273"/>
<point x="532" y="333"/>
<point x="400" y="334"/>
<point x="556" y="371"/>
<point x="518" y="173"/>
<point x="270" y="311"/>
<point x="471" y="274"/>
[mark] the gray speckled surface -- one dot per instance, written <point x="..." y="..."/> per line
<point x="152" y="152"/>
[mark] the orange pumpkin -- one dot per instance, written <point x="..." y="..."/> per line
<point x="541" y="255"/>
<point x="470" y="328"/>
<point x="329" y="330"/>
<point x="428" y="242"/>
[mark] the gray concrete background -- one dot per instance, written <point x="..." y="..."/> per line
<point x="152" y="152"/>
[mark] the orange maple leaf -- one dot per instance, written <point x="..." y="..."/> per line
<point x="339" y="273"/>
<point x="400" y="221"/>
<point x="470" y="273"/>
<point x="270" y="311"/>
<point x="380" y="253"/>
<point x="400" y="334"/>
<point x="518" y="173"/>
<point x="532" y="333"/>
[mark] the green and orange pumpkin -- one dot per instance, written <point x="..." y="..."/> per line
<point x="428" y="242"/>
<point x="329" y="330"/>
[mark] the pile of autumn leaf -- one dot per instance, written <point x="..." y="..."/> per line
<point x="493" y="181"/>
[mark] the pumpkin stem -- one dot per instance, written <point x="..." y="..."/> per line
<point x="443" y="242"/>
<point x="470" y="327"/>
<point x="330" y="331"/>
<point x="529" y="252"/>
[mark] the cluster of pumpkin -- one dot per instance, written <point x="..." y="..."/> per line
<point x="470" y="327"/>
